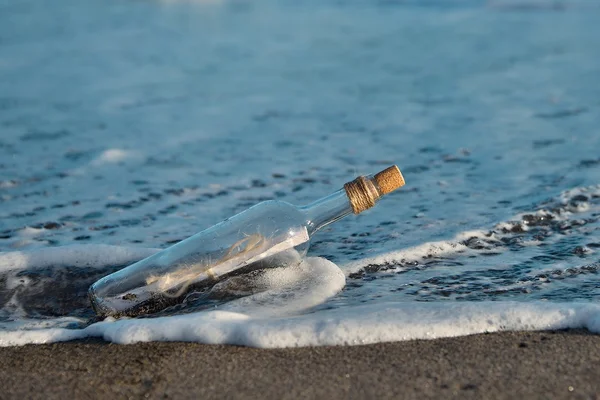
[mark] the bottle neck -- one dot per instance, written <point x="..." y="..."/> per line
<point x="326" y="210"/>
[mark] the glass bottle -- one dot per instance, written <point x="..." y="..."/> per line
<point x="272" y="233"/>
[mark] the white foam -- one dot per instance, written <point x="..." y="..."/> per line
<point x="112" y="156"/>
<point x="357" y="325"/>
<point x="454" y="246"/>
<point x="435" y="249"/>
<point x="31" y="232"/>
<point x="271" y="318"/>
<point x="5" y="184"/>
<point x="292" y="289"/>
<point x="74" y="255"/>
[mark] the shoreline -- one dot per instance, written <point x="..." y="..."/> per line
<point x="547" y="364"/>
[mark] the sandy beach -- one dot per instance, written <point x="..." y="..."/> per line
<point x="499" y="365"/>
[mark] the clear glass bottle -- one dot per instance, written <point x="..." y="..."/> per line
<point x="255" y="238"/>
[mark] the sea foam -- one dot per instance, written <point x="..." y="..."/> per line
<point x="277" y="317"/>
<point x="359" y="325"/>
<point x="287" y="307"/>
<point x="97" y="255"/>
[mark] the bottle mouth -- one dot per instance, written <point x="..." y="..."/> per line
<point x="98" y="308"/>
<point x="364" y="192"/>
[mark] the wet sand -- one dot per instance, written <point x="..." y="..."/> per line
<point x="509" y="365"/>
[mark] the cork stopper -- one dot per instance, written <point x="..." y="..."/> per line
<point x="389" y="180"/>
<point x="364" y="192"/>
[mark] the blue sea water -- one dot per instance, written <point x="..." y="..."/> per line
<point x="126" y="126"/>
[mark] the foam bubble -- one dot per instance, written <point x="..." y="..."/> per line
<point x="437" y="249"/>
<point x="271" y="318"/>
<point x="359" y="325"/>
<point x="74" y="255"/>
<point x="291" y="290"/>
<point x="561" y="209"/>
<point x="278" y="309"/>
<point x="111" y="156"/>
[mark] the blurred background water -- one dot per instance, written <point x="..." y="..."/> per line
<point x="140" y="123"/>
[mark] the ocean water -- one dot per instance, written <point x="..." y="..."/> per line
<point x="126" y="126"/>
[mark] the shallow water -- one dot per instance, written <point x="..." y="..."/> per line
<point x="137" y="124"/>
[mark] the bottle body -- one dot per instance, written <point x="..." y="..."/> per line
<point x="238" y="243"/>
<point x="270" y="234"/>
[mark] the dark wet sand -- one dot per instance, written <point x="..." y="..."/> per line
<point x="500" y="365"/>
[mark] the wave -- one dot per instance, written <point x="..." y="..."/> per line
<point x="300" y="306"/>
<point x="81" y="256"/>
<point x="359" y="325"/>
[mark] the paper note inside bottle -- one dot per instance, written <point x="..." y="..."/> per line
<point x="249" y="250"/>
